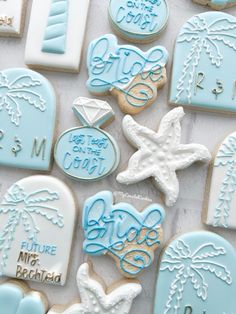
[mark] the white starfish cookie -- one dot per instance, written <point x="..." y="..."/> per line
<point x="160" y="154"/>
<point x="94" y="299"/>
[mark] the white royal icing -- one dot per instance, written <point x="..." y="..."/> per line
<point x="222" y="196"/>
<point x="11" y="15"/>
<point x="95" y="300"/>
<point x="160" y="154"/>
<point x="56" y="34"/>
<point x="36" y="213"/>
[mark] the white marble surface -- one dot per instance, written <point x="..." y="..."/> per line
<point x="207" y="129"/>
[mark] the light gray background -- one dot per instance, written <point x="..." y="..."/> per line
<point x="207" y="129"/>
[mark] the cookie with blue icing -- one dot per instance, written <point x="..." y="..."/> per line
<point x="27" y="101"/>
<point x="119" y="230"/>
<point x="131" y="75"/>
<point x="202" y="76"/>
<point x="197" y="271"/>
<point x="217" y="4"/>
<point x="17" y="298"/>
<point x="138" y="21"/>
<point x="88" y="153"/>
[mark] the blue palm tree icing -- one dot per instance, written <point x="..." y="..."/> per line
<point x="194" y="268"/>
<point x="202" y="76"/>
<point x="111" y="66"/>
<point x="56" y="31"/>
<point x="129" y="236"/>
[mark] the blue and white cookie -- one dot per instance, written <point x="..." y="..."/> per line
<point x="130" y="74"/>
<point x="217" y="4"/>
<point x="138" y="21"/>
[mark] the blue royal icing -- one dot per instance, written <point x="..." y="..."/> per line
<point x="195" y="268"/>
<point x="56" y="31"/>
<point x="113" y="66"/>
<point x="140" y="19"/>
<point x="27" y="101"/>
<point x="202" y="74"/>
<point x="88" y="153"/>
<point x="220" y="3"/>
<point x="13" y="301"/>
<point x="122" y="232"/>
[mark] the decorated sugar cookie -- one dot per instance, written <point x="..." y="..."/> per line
<point x="119" y="230"/>
<point x="27" y="102"/>
<point x="36" y="214"/>
<point x="197" y="271"/>
<point x="54" y="26"/>
<point x="17" y="298"/>
<point x="138" y="21"/>
<point x="87" y="152"/>
<point x="217" y="4"/>
<point x="202" y="75"/>
<point x="221" y="197"/>
<point x="160" y="154"/>
<point x="12" y="16"/>
<point x="94" y="299"/>
<point x="131" y="75"/>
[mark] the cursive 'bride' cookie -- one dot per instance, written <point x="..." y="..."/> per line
<point x="27" y="102"/>
<point x="87" y="152"/>
<point x="202" y="76"/>
<point x="94" y="298"/>
<point x="128" y="73"/>
<point x="160" y="154"/>
<point x="12" y="17"/>
<point x="17" y="298"/>
<point x="217" y="4"/>
<point x="56" y="34"/>
<point x="119" y="230"/>
<point x="197" y="271"/>
<point x="37" y="221"/>
<point x="220" y="192"/>
<point x="137" y="21"/>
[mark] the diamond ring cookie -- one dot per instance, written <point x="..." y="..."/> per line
<point x="217" y="4"/>
<point x="202" y="76"/>
<point x="130" y="237"/>
<point x="36" y="214"/>
<point x="95" y="299"/>
<point x="195" y="268"/>
<point x="131" y="75"/>
<point x="27" y="101"/>
<point x="160" y="154"/>
<point x="56" y="34"/>
<point x="220" y="193"/>
<point x="88" y="153"/>
<point x="138" y="21"/>
<point x="12" y="17"/>
<point x="17" y="298"/>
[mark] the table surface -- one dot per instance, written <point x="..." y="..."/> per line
<point x="207" y="129"/>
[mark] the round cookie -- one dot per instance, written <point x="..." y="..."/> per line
<point x="217" y="4"/>
<point x="27" y="102"/>
<point x="130" y="237"/>
<point x="88" y="153"/>
<point x="128" y="73"/>
<point x="195" y="268"/>
<point x="138" y="21"/>
<point x="160" y="154"/>
<point x="36" y="214"/>
<point x="97" y="299"/>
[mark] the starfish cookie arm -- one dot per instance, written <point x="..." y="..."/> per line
<point x="136" y="133"/>
<point x="168" y="183"/>
<point x="137" y="169"/>
<point x="188" y="154"/>
<point x="170" y="126"/>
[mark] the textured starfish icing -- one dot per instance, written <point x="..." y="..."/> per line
<point x="94" y="299"/>
<point x="160" y="154"/>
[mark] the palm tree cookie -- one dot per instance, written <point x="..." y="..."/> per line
<point x="194" y="269"/>
<point x="202" y="76"/>
<point x="36" y="214"/>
